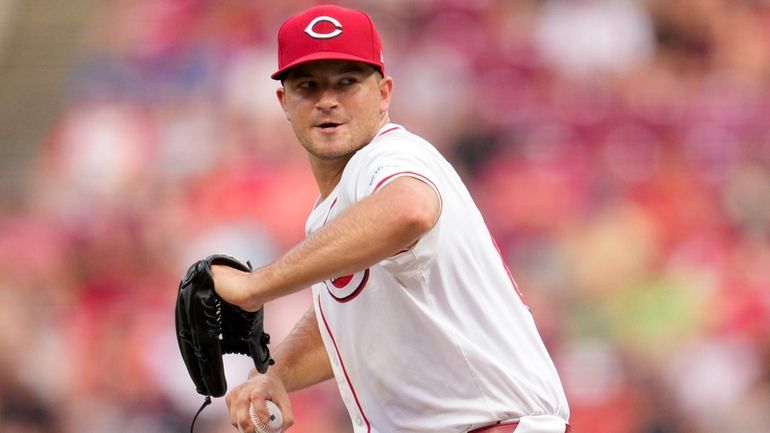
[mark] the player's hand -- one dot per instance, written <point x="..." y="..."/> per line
<point x="256" y="390"/>
<point x="235" y="287"/>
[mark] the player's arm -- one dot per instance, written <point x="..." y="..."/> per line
<point x="377" y="227"/>
<point x="300" y="361"/>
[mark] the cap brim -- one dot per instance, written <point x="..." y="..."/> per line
<point x="322" y="55"/>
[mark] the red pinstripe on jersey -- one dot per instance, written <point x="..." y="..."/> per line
<point x="510" y="275"/>
<point x="411" y="174"/>
<point x="342" y="365"/>
<point x="386" y="131"/>
<point x="330" y="211"/>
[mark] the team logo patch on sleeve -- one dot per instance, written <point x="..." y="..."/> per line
<point x="376" y="173"/>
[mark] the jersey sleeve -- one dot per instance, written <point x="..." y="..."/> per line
<point x="392" y="160"/>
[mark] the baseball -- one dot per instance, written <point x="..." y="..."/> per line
<point x="275" y="425"/>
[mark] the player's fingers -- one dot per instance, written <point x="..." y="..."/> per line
<point x="278" y="395"/>
<point x="243" y="413"/>
<point x="260" y="406"/>
<point x="284" y="404"/>
<point x="229" y="395"/>
<point x="239" y="412"/>
<point x="230" y="399"/>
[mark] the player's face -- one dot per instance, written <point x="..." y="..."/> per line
<point x="335" y="107"/>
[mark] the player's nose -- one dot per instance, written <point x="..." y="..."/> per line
<point x="327" y="99"/>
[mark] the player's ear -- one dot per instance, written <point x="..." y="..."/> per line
<point x="281" y="94"/>
<point x="386" y="91"/>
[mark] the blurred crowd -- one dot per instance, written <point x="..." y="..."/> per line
<point x="619" y="149"/>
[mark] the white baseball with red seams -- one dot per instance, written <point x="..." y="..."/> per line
<point x="274" y="425"/>
<point x="437" y="337"/>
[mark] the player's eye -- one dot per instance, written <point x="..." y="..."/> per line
<point x="306" y="85"/>
<point x="348" y="81"/>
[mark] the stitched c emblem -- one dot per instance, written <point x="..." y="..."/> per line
<point x="313" y="34"/>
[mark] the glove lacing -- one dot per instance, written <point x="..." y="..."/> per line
<point x="205" y="403"/>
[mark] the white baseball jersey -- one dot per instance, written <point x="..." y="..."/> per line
<point x="436" y="338"/>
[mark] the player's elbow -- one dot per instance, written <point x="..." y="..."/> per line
<point x="417" y="218"/>
<point x="413" y="207"/>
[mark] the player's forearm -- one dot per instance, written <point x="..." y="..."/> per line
<point x="376" y="228"/>
<point x="301" y="359"/>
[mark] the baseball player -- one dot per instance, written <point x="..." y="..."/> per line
<point x="415" y="314"/>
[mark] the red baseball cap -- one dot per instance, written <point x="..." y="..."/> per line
<point x="328" y="32"/>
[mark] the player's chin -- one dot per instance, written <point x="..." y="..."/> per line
<point x="333" y="144"/>
<point x="330" y="155"/>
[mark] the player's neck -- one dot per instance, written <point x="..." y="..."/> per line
<point x="328" y="173"/>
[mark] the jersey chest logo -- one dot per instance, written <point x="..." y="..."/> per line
<point x="347" y="287"/>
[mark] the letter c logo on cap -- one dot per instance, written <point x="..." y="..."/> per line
<point x="313" y="34"/>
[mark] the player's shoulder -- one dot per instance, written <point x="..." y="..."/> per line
<point x="394" y="138"/>
<point x="395" y="132"/>
<point x="393" y="144"/>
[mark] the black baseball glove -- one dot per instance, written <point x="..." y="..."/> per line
<point x="208" y="327"/>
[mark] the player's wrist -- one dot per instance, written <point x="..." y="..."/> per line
<point x="272" y="371"/>
<point x="247" y="290"/>
<point x="278" y="373"/>
<point x="268" y="283"/>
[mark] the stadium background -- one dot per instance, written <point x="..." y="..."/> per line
<point x="619" y="149"/>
